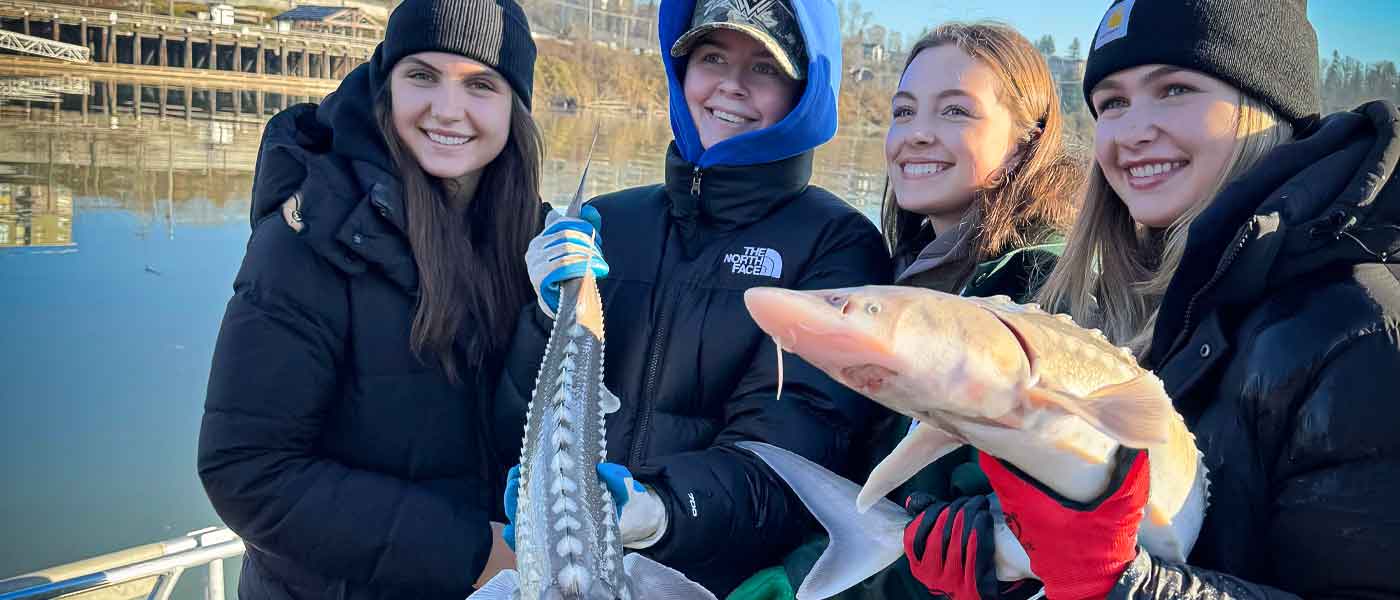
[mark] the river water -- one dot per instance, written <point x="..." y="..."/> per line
<point x="120" y="234"/>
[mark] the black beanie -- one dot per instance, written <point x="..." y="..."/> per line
<point x="492" y="32"/>
<point x="1266" y="48"/>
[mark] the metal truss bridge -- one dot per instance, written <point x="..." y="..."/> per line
<point x="29" y="44"/>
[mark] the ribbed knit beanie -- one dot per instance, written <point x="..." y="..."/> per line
<point x="493" y="32"/>
<point x="1266" y="48"/>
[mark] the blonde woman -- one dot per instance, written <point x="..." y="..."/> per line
<point x="1243" y="249"/>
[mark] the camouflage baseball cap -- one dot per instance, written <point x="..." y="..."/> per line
<point x="771" y="22"/>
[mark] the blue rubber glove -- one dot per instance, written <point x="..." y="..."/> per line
<point x="563" y="251"/>
<point x="512" y="500"/>
<point x="615" y="477"/>
<point x="640" y="526"/>
<point x="641" y="516"/>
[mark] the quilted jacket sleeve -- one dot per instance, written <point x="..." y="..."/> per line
<point x="275" y="376"/>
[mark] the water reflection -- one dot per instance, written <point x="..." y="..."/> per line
<point x="34" y="214"/>
<point x="123" y="217"/>
<point x="135" y="133"/>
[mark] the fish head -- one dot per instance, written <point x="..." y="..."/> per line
<point x="915" y="351"/>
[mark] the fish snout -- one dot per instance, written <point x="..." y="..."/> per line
<point x="829" y="328"/>
<point x="779" y="312"/>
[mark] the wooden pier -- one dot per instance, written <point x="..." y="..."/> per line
<point x="180" y="47"/>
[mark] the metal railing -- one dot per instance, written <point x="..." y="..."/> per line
<point x="151" y="570"/>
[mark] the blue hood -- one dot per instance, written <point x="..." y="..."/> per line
<point x="810" y="124"/>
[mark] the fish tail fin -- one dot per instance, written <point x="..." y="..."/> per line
<point x="861" y="544"/>
<point x="504" y="586"/>
<point x="649" y="579"/>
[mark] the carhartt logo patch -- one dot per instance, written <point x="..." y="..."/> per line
<point x="755" y="261"/>
<point x="1115" y="23"/>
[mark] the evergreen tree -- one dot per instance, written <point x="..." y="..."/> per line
<point x="1380" y="81"/>
<point x="1354" y="73"/>
<point x="1332" y="82"/>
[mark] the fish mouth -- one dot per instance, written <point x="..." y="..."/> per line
<point x="868" y="379"/>
<point x="820" y="331"/>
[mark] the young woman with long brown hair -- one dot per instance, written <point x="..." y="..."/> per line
<point x="978" y="179"/>
<point x="1244" y="250"/>
<point x="345" y="429"/>
<point x="981" y="192"/>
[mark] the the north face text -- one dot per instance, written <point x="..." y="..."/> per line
<point x="756" y="261"/>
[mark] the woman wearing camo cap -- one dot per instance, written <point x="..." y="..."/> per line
<point x="753" y="87"/>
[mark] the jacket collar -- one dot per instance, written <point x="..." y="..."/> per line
<point x="717" y="199"/>
<point x="1324" y="201"/>
<point x="352" y="208"/>
<point x="945" y="262"/>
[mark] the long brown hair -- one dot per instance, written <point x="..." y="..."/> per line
<point x="1114" y="272"/>
<point x="1035" y="193"/>
<point x="470" y="263"/>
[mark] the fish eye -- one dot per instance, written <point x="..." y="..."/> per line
<point x="873" y="309"/>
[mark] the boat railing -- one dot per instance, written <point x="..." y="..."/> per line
<point x="149" y="571"/>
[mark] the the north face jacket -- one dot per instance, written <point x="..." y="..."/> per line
<point x="693" y="371"/>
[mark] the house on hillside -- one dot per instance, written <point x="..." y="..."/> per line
<point x="220" y="14"/>
<point x="339" y="20"/>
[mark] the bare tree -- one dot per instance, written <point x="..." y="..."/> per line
<point x="854" y="20"/>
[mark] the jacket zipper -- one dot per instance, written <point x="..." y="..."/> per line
<point x="1241" y="240"/>
<point x="695" y="182"/>
<point x="658" y="348"/>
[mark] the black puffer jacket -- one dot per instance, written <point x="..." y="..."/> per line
<point x="1278" y="341"/>
<point x="350" y="468"/>
<point x="694" y="372"/>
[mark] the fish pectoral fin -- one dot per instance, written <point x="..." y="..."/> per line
<point x="924" y="444"/>
<point x="649" y="579"/>
<point x="1137" y="413"/>
<point x="503" y="586"/>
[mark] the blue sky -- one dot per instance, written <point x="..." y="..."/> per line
<point x="1365" y="29"/>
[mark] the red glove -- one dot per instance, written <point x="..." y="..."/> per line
<point x="949" y="546"/>
<point x="1078" y="550"/>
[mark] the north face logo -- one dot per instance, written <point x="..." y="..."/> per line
<point x="756" y="261"/>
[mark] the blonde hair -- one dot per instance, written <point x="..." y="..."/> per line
<point x="1114" y="271"/>
<point x="1037" y="191"/>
